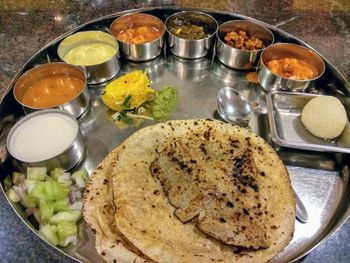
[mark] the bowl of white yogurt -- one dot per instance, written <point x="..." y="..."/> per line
<point x="49" y="138"/>
<point x="94" y="51"/>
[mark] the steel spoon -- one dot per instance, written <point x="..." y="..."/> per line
<point x="302" y="214"/>
<point x="234" y="108"/>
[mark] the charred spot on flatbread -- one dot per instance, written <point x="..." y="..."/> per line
<point x="203" y="186"/>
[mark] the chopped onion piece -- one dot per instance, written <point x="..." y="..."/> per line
<point x="77" y="205"/>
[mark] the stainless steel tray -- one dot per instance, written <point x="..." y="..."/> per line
<point x="284" y="111"/>
<point x="320" y="179"/>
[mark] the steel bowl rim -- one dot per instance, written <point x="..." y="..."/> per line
<point x="192" y="40"/>
<point x="43" y="65"/>
<point x="34" y="114"/>
<point x="297" y="46"/>
<point x="140" y="44"/>
<point x="84" y="32"/>
<point x="240" y="50"/>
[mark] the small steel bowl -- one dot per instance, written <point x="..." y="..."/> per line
<point x="143" y="51"/>
<point x="186" y="48"/>
<point x="154" y="68"/>
<point x="100" y="71"/>
<point x="270" y="81"/>
<point x="50" y="138"/>
<point x="186" y="69"/>
<point x="225" y="75"/>
<point x="238" y="58"/>
<point x="76" y="106"/>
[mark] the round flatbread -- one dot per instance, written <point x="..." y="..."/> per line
<point x="242" y="210"/>
<point x="98" y="212"/>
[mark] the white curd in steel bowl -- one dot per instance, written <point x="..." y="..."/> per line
<point x="47" y="136"/>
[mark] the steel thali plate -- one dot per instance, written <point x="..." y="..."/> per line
<point x="320" y="179"/>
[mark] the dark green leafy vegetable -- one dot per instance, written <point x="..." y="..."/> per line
<point x="189" y="31"/>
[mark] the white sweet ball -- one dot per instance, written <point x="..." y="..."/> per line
<point x="324" y="117"/>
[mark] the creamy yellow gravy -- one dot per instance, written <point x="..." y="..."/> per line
<point x="90" y="54"/>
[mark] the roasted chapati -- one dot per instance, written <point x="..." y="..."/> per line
<point x="218" y="184"/>
<point x="98" y="212"/>
<point x="155" y="222"/>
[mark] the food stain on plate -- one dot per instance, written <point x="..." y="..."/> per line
<point x="252" y="77"/>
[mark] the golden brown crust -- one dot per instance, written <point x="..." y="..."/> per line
<point x="98" y="212"/>
<point x="144" y="218"/>
<point x="216" y="186"/>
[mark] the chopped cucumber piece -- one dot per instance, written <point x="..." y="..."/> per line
<point x="55" y="190"/>
<point x="11" y="194"/>
<point x="47" y="197"/>
<point x="24" y="199"/>
<point x="65" y="179"/>
<point x="50" y="233"/>
<point x="80" y="178"/>
<point x="61" y="205"/>
<point x="27" y="201"/>
<point x="38" y="193"/>
<point x="48" y="178"/>
<point x="73" y="239"/>
<point x="67" y="233"/>
<point x="8" y="183"/>
<point x="36" y="173"/>
<point x="18" y="178"/>
<point x="73" y="215"/>
<point x="57" y="172"/>
<point x="46" y="209"/>
<point x="30" y="184"/>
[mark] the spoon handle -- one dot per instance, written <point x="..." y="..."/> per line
<point x="302" y="215"/>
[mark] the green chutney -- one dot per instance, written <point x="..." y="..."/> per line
<point x="164" y="102"/>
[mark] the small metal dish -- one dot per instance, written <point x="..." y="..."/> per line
<point x="76" y="106"/>
<point x="50" y="138"/>
<point x="287" y="130"/>
<point x="191" y="49"/>
<point x="270" y="81"/>
<point x="238" y="58"/>
<point x="143" y="51"/>
<point x="154" y="68"/>
<point x="100" y="71"/>
<point x="186" y="69"/>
